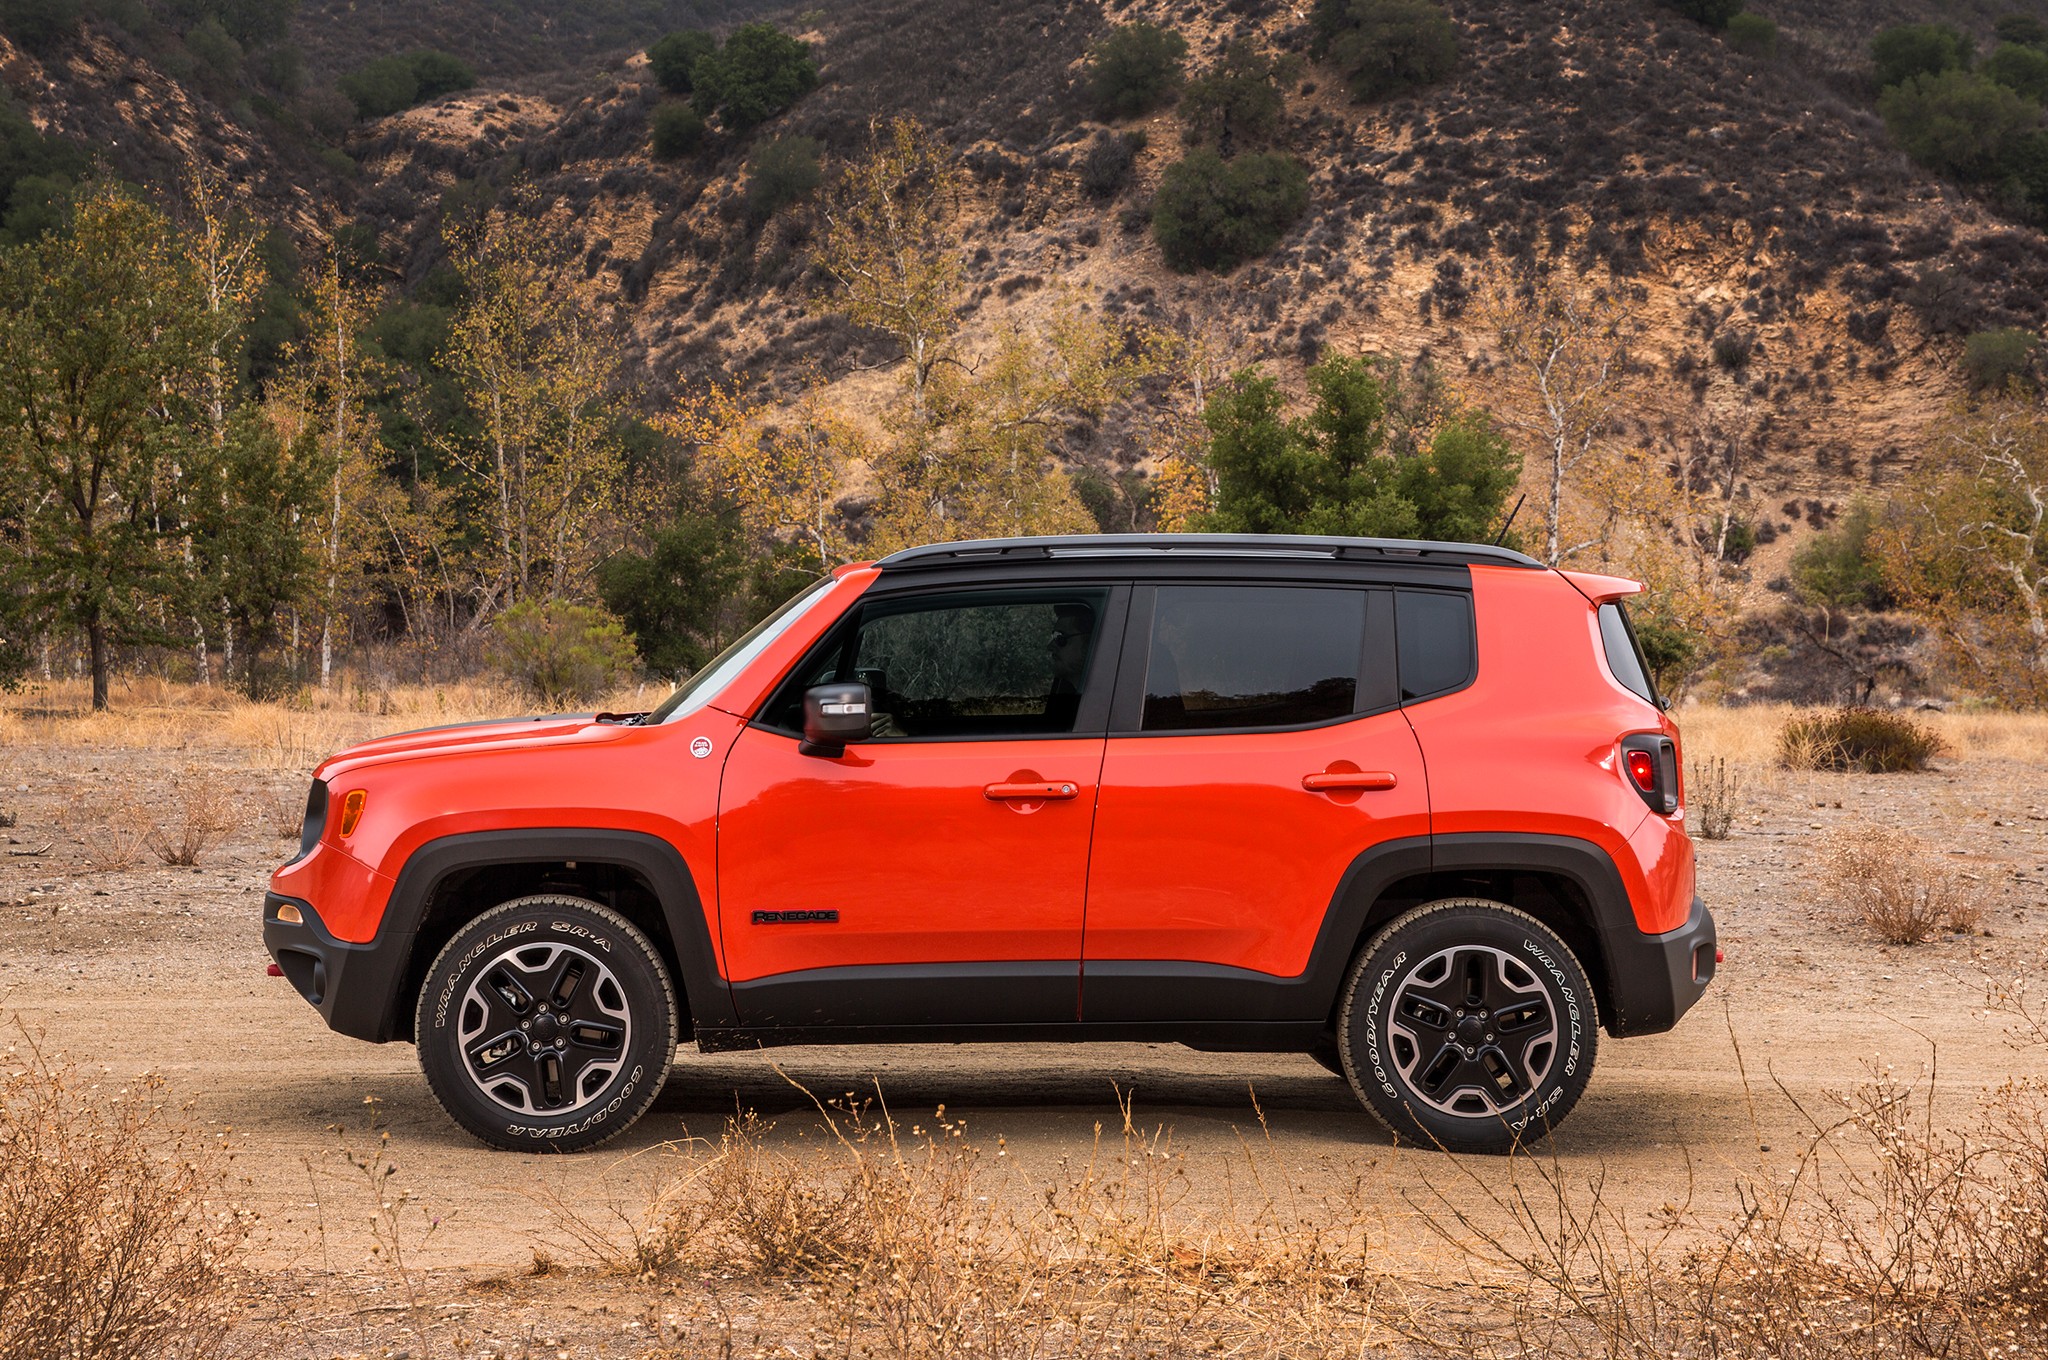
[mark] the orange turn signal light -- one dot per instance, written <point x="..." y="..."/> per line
<point x="352" y="810"/>
<point x="290" y="915"/>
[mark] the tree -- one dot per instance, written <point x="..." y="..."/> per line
<point x="1564" y="351"/>
<point x="673" y="58"/>
<point x="100" y="338"/>
<point x="2023" y="70"/>
<point x="1210" y="213"/>
<point x="541" y="379"/>
<point x="39" y="25"/>
<point x="1959" y="123"/>
<point x="671" y="597"/>
<point x="1384" y="48"/>
<point x="757" y="74"/>
<point x="1715" y="14"/>
<point x="1237" y="102"/>
<point x="678" y="131"/>
<point x="783" y="470"/>
<point x="889" y="246"/>
<point x="781" y="172"/>
<point x="2023" y="30"/>
<point x="1753" y="35"/>
<point x="1373" y="457"/>
<point x="563" y="652"/>
<point x="1994" y="359"/>
<point x="1838" y="569"/>
<point x="1907" y="50"/>
<point x="1967" y="546"/>
<point x="1134" y="69"/>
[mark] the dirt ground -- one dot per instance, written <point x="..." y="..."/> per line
<point x="149" y="967"/>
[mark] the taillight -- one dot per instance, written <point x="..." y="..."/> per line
<point x="1651" y="760"/>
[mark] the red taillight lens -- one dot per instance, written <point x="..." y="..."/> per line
<point x="1642" y="767"/>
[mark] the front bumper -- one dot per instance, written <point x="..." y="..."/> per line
<point x="316" y="964"/>
<point x="1654" y="979"/>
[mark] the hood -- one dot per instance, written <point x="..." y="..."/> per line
<point x="490" y="734"/>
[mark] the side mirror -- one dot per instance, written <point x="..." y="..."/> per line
<point x="833" y="716"/>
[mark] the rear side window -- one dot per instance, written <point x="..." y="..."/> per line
<point x="1624" y="656"/>
<point x="1433" y="631"/>
<point x="1253" y="656"/>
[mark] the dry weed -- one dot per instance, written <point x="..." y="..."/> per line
<point x="1714" y="797"/>
<point x="113" y="1244"/>
<point x="286" y="811"/>
<point x="113" y="830"/>
<point x="1897" y="885"/>
<point x="202" y="808"/>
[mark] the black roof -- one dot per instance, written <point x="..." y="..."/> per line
<point x="1210" y="546"/>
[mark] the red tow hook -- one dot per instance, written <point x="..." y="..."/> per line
<point x="274" y="971"/>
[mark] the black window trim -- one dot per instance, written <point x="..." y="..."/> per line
<point x="1471" y="673"/>
<point x="1091" y="717"/>
<point x="1378" y="680"/>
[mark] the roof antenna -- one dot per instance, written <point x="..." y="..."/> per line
<point x="1500" y="537"/>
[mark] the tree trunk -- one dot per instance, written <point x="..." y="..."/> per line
<point x="96" y="646"/>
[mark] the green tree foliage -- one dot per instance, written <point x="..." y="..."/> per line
<point x="779" y="173"/>
<point x="39" y="25"/>
<point x="1959" y="123"/>
<point x="562" y="652"/>
<point x="2023" y="29"/>
<point x="1994" y="359"/>
<point x="1838" y="569"/>
<point x="250" y="23"/>
<point x="1358" y="461"/>
<point x="1134" y="69"/>
<point x="1384" y="48"/>
<point x="1715" y="14"/>
<point x="1753" y="35"/>
<point x="1211" y="213"/>
<point x="673" y="58"/>
<point x="757" y="74"/>
<point x="678" y="131"/>
<point x="1908" y="50"/>
<point x="36" y="176"/>
<point x="390" y="85"/>
<point x="1236" y="104"/>
<point x="218" y="54"/>
<point x="99" y="329"/>
<point x="671" y="595"/>
<point x="2023" y="70"/>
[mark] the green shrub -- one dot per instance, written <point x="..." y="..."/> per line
<point x="757" y="74"/>
<point x="1384" y="48"/>
<point x="779" y="173"/>
<point x="1993" y="359"/>
<point x="678" y="130"/>
<point x="38" y="25"/>
<point x="1236" y="103"/>
<point x="1211" y="213"/>
<point x="1715" y="14"/>
<point x="2023" y="70"/>
<point x="393" y="84"/>
<point x="672" y="598"/>
<point x="1733" y="348"/>
<point x="1753" y="35"/>
<point x="1909" y="50"/>
<point x="217" y="53"/>
<point x="674" y="56"/>
<point x="1838" y="570"/>
<point x="2023" y="29"/>
<point x="1134" y="69"/>
<point x="564" y="653"/>
<point x="251" y="23"/>
<point x="1107" y="166"/>
<point x="437" y="73"/>
<point x="1853" y="740"/>
<point x="1959" y="123"/>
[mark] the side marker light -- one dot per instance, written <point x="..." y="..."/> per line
<point x="352" y="810"/>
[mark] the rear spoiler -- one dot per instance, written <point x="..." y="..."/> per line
<point x="1603" y="589"/>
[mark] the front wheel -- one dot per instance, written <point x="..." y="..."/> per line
<point x="1469" y="1025"/>
<point x="547" y="1023"/>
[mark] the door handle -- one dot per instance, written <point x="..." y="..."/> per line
<point x="1340" y="780"/>
<point x="1037" y="792"/>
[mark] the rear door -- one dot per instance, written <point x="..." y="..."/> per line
<point x="1256" y="748"/>
<point x="935" y="875"/>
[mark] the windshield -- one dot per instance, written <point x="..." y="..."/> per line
<point x="701" y="688"/>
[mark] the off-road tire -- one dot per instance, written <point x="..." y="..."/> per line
<point x="568" y="1069"/>
<point x="1466" y="961"/>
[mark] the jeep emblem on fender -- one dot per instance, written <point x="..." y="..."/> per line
<point x="701" y="747"/>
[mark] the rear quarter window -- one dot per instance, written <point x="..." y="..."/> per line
<point x="1624" y="656"/>
<point x="1433" y="638"/>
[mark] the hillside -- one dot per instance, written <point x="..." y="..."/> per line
<point x="1756" y="201"/>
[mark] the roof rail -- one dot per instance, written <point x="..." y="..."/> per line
<point x="1204" y="545"/>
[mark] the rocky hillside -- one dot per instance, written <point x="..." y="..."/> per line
<point x="1804" y="288"/>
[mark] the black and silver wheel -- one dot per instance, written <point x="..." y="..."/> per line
<point x="547" y="1023"/>
<point x="1468" y="1025"/>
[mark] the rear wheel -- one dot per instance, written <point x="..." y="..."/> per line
<point x="547" y="1022"/>
<point x="1469" y="1025"/>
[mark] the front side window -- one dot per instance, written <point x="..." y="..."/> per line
<point x="983" y="665"/>
<point x="1253" y="656"/>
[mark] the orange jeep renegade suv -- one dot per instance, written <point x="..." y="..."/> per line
<point x="1411" y="808"/>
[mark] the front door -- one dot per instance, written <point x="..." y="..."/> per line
<point x="936" y="874"/>
<point x="1260" y="755"/>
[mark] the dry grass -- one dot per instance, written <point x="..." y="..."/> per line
<point x="916" y="1242"/>
<point x="1857" y="740"/>
<point x="1897" y="885"/>
<point x="113" y="1240"/>
<point x="200" y="813"/>
<point x="1714" y="797"/>
<point x="113" y="829"/>
<point x="1889" y="1237"/>
<point x="1748" y="735"/>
